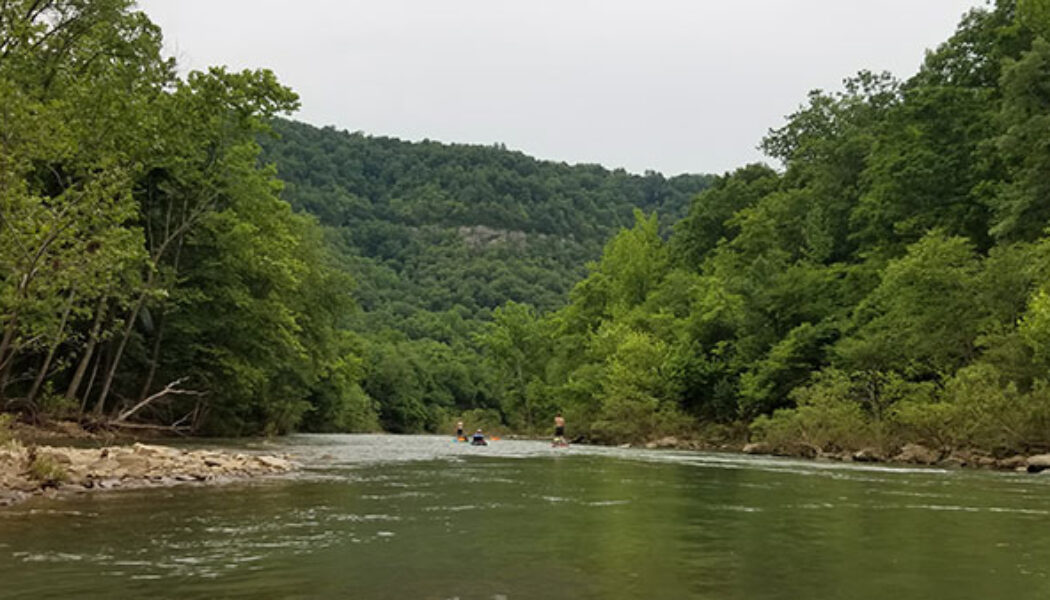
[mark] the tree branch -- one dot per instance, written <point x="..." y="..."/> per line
<point x="170" y="389"/>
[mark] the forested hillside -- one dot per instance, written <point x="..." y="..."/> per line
<point x="461" y="227"/>
<point x="891" y="284"/>
<point x="437" y="236"/>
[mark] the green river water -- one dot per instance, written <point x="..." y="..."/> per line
<point x="424" y="517"/>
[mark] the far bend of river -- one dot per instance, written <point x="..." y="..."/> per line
<point x="423" y="517"/>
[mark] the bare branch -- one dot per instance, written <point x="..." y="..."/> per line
<point x="170" y="389"/>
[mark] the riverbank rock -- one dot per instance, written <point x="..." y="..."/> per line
<point x="1038" y="463"/>
<point x="917" y="454"/>
<point x="1012" y="463"/>
<point x="835" y="455"/>
<point x="664" y="442"/>
<point x="985" y="462"/>
<point x="757" y="448"/>
<point x="954" y="461"/>
<point x="30" y="470"/>
<point x="974" y="458"/>
<point x="797" y="451"/>
<point x="868" y="455"/>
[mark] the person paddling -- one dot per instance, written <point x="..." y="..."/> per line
<point x="459" y="431"/>
<point x="478" y="439"/>
<point x="559" y="430"/>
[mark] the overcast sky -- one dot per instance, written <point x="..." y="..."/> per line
<point x="670" y="85"/>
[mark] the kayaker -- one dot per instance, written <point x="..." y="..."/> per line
<point x="478" y="439"/>
<point x="459" y="430"/>
<point x="559" y="428"/>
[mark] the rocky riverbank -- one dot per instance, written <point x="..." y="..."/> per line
<point x="908" y="454"/>
<point x="915" y="454"/>
<point x="31" y="470"/>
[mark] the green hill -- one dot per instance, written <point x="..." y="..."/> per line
<point x="437" y="236"/>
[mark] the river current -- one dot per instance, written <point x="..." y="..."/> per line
<point x="373" y="516"/>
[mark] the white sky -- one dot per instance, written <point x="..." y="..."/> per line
<point x="670" y="85"/>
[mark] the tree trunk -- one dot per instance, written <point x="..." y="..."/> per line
<point x="91" y="383"/>
<point x="7" y="341"/>
<point x="155" y="354"/>
<point x="89" y="350"/>
<point x="31" y="397"/>
<point x="107" y="384"/>
<point x="6" y="346"/>
<point x="154" y="359"/>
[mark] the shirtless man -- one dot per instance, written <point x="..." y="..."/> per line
<point x="459" y="430"/>
<point x="559" y="429"/>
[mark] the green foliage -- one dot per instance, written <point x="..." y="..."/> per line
<point x="47" y="471"/>
<point x="515" y="347"/>
<point x="1035" y="15"/>
<point x="787" y="365"/>
<point x="844" y="411"/>
<point x="828" y="418"/>
<point x="1019" y="201"/>
<point x="709" y="216"/>
<point x="900" y="327"/>
<point x="144" y="245"/>
<point x="635" y="391"/>
<point x="6" y="421"/>
<point x="1035" y="326"/>
<point x="488" y="420"/>
<point x="981" y="410"/>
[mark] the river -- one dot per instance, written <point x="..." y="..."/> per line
<point x="375" y="516"/>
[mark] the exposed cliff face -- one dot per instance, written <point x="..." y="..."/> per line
<point x="477" y="236"/>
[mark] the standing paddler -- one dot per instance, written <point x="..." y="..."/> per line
<point x="559" y="431"/>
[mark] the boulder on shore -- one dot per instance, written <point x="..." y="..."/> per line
<point x="868" y="455"/>
<point x="954" y="461"/>
<point x="664" y="442"/>
<point x="1012" y="463"/>
<point x="1038" y="463"/>
<point x="758" y="448"/>
<point x="917" y="454"/>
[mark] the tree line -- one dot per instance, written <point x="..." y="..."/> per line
<point x="889" y="284"/>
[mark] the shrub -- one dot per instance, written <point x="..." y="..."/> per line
<point x="57" y="406"/>
<point x="993" y="414"/>
<point x="932" y="423"/>
<point x="48" y="472"/>
<point x="978" y="409"/>
<point x="827" y="418"/>
<point x="637" y="420"/>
